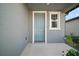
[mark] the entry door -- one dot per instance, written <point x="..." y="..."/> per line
<point x="39" y="27"/>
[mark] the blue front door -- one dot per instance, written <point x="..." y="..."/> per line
<point x="39" y="27"/>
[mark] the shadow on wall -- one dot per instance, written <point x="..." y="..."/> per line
<point x="13" y="29"/>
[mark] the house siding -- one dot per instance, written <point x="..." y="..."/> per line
<point x="13" y="29"/>
<point x="53" y="36"/>
<point x="72" y="27"/>
<point x="56" y="36"/>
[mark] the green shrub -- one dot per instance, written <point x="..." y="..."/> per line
<point x="76" y="39"/>
<point x="69" y="39"/>
<point x="72" y="52"/>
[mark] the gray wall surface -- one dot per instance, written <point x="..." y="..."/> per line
<point x="53" y="36"/>
<point x="30" y="23"/>
<point x="56" y="36"/>
<point x="72" y="27"/>
<point x="13" y="28"/>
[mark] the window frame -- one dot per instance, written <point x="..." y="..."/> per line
<point x="58" y="21"/>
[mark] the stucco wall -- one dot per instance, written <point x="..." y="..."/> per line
<point x="56" y="36"/>
<point x="72" y="27"/>
<point x="53" y="36"/>
<point x="13" y="28"/>
<point x="30" y="23"/>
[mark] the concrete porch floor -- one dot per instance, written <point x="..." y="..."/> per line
<point x="50" y="49"/>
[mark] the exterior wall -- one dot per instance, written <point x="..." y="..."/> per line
<point x="72" y="27"/>
<point x="13" y="28"/>
<point x="53" y="36"/>
<point x="30" y="26"/>
<point x="56" y="36"/>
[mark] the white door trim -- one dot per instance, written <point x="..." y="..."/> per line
<point x="45" y="25"/>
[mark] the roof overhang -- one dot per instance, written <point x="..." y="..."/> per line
<point x="76" y="18"/>
<point x="63" y="7"/>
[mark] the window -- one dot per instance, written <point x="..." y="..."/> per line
<point x="54" y="20"/>
<point x="72" y="14"/>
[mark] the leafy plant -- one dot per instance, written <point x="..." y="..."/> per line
<point x="72" y="52"/>
<point x="76" y="39"/>
<point x="69" y="39"/>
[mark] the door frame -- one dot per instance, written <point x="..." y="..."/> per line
<point x="44" y="28"/>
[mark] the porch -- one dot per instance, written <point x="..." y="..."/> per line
<point x="41" y="49"/>
<point x="17" y="31"/>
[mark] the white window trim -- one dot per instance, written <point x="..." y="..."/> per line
<point x="58" y="21"/>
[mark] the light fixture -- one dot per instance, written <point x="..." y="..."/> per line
<point x="48" y="4"/>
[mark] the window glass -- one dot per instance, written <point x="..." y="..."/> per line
<point x="54" y="16"/>
<point x="54" y="24"/>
